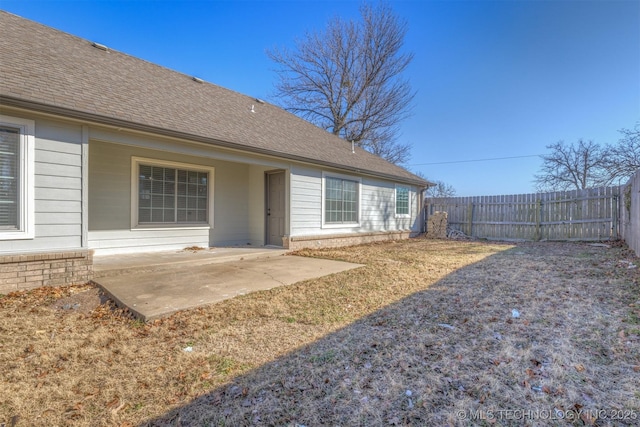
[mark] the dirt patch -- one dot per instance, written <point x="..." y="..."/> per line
<point x="425" y="334"/>
<point x="82" y="301"/>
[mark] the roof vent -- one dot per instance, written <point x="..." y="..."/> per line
<point x="100" y="46"/>
<point x="259" y="101"/>
<point x="197" y="80"/>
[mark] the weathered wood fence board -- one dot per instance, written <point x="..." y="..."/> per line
<point x="590" y="214"/>
<point x="630" y="213"/>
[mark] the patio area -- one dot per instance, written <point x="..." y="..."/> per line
<point x="157" y="284"/>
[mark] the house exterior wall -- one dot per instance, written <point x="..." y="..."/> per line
<point x="57" y="252"/>
<point x="378" y="219"/>
<point x="238" y="195"/>
<point x="238" y="201"/>
<point x="83" y="201"/>
<point x="58" y="189"/>
<point x="256" y="205"/>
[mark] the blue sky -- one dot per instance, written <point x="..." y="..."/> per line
<point x="493" y="79"/>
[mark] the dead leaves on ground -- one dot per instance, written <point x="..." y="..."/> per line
<point x="551" y="354"/>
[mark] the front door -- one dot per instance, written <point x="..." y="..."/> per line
<point x="275" y="208"/>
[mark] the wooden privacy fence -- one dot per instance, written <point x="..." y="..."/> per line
<point x="630" y="212"/>
<point x="590" y="214"/>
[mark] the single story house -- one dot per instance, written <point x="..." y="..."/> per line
<point x="105" y="153"/>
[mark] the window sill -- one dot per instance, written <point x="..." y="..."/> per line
<point x="16" y="235"/>
<point x="158" y="227"/>
<point x="342" y="225"/>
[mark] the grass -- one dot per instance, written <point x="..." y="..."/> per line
<point x="423" y="334"/>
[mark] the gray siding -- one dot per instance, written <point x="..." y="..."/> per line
<point x="238" y="201"/>
<point x="231" y="205"/>
<point x="128" y="240"/>
<point x="378" y="206"/>
<point x="58" y="189"/>
<point x="306" y="201"/>
<point x="377" y="211"/>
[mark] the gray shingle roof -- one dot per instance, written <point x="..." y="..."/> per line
<point x="52" y="71"/>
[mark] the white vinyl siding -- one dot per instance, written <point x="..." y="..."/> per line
<point x="306" y="201"/>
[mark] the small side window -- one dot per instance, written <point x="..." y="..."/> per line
<point x="402" y="201"/>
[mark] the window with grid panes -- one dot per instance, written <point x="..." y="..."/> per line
<point x="402" y="201"/>
<point x="341" y="201"/>
<point x="172" y="196"/>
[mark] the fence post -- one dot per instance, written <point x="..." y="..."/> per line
<point x="425" y="217"/>
<point x="615" y="234"/>
<point x="470" y="219"/>
<point x="538" y="216"/>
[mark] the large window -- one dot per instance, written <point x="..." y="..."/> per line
<point x="341" y="201"/>
<point x="402" y="201"/>
<point x="16" y="178"/>
<point x="169" y="194"/>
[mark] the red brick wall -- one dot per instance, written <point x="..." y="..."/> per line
<point x="28" y="271"/>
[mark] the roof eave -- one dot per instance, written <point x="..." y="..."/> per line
<point x="10" y="101"/>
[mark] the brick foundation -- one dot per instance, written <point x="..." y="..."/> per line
<point x="30" y="271"/>
<point x="336" y="240"/>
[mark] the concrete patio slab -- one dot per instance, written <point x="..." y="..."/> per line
<point x="152" y="293"/>
<point x="113" y="265"/>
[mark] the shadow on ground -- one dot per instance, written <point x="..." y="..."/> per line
<point x="456" y="353"/>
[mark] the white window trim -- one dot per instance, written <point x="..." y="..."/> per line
<point x="323" y="197"/>
<point x="395" y="201"/>
<point x="26" y="216"/>
<point x="135" y="165"/>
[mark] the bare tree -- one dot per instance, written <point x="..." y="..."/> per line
<point x="623" y="158"/>
<point x="573" y="166"/>
<point x="441" y="189"/>
<point x="347" y="80"/>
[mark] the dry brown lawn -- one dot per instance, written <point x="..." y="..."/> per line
<point x="424" y="334"/>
